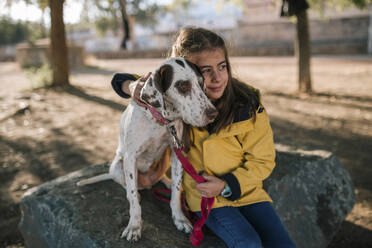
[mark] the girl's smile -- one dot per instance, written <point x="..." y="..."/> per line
<point x="212" y="64"/>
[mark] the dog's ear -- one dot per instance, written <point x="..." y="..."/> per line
<point x="163" y="78"/>
<point x="151" y="95"/>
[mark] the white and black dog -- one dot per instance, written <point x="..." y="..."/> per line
<point x="176" y="90"/>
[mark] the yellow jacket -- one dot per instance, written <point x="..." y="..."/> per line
<point x="242" y="154"/>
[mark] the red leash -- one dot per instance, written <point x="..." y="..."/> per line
<point x="164" y="195"/>
<point x="197" y="235"/>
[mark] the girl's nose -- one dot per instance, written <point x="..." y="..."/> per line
<point x="216" y="76"/>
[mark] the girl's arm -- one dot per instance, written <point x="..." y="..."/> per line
<point x="259" y="158"/>
<point x="120" y="83"/>
<point x="129" y="85"/>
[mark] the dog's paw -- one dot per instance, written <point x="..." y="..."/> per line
<point x="132" y="232"/>
<point x="182" y="223"/>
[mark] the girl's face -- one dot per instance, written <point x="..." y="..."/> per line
<point x="214" y="69"/>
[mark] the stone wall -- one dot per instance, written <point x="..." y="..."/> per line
<point x="347" y="35"/>
<point x="38" y="54"/>
<point x="7" y="53"/>
<point x="122" y="54"/>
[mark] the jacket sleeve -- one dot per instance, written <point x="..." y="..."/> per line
<point x="258" y="158"/>
<point x="117" y="82"/>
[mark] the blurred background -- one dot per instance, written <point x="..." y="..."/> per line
<point x="311" y="60"/>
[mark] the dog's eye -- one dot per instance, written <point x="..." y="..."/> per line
<point x="183" y="86"/>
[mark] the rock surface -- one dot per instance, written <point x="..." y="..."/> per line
<point x="312" y="193"/>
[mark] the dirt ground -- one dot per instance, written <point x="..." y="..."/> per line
<point x="48" y="133"/>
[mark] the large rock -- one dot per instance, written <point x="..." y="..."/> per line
<point x="312" y="193"/>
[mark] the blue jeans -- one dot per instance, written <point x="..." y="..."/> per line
<point x="255" y="225"/>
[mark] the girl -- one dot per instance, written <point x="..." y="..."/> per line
<point x="235" y="153"/>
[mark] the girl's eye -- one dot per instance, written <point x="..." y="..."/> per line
<point x="222" y="67"/>
<point x="205" y="71"/>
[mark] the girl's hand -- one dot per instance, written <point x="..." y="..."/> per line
<point x="134" y="89"/>
<point x="212" y="187"/>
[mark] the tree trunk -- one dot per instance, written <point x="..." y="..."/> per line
<point x="303" y="52"/>
<point x="125" y="20"/>
<point x="58" y="46"/>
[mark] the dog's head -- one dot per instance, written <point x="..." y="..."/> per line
<point x="177" y="91"/>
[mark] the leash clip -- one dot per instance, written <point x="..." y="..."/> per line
<point x="172" y="130"/>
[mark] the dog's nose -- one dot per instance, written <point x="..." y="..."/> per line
<point x="211" y="113"/>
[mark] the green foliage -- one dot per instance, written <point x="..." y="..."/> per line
<point x="42" y="4"/>
<point x="39" y="76"/>
<point x="109" y="17"/>
<point x="239" y="3"/>
<point x="184" y="4"/>
<point x="104" y="24"/>
<point x="36" y="31"/>
<point x="315" y="4"/>
<point x="12" y="32"/>
<point x="320" y="5"/>
<point x="144" y="12"/>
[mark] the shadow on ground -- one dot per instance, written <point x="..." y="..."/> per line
<point x="79" y="92"/>
<point x="33" y="160"/>
<point x="90" y="69"/>
<point x="356" y="102"/>
<point x="353" y="236"/>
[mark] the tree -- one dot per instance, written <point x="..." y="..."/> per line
<point x="302" y="41"/>
<point x="12" y="32"/>
<point x="58" y="44"/>
<point x="142" y="11"/>
<point x="125" y="21"/>
<point x="110" y="18"/>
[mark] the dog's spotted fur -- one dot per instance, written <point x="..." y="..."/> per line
<point x="175" y="90"/>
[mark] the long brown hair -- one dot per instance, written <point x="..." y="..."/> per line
<point x="191" y="40"/>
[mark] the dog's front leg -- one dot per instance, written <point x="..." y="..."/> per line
<point x="133" y="231"/>
<point x="179" y="219"/>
